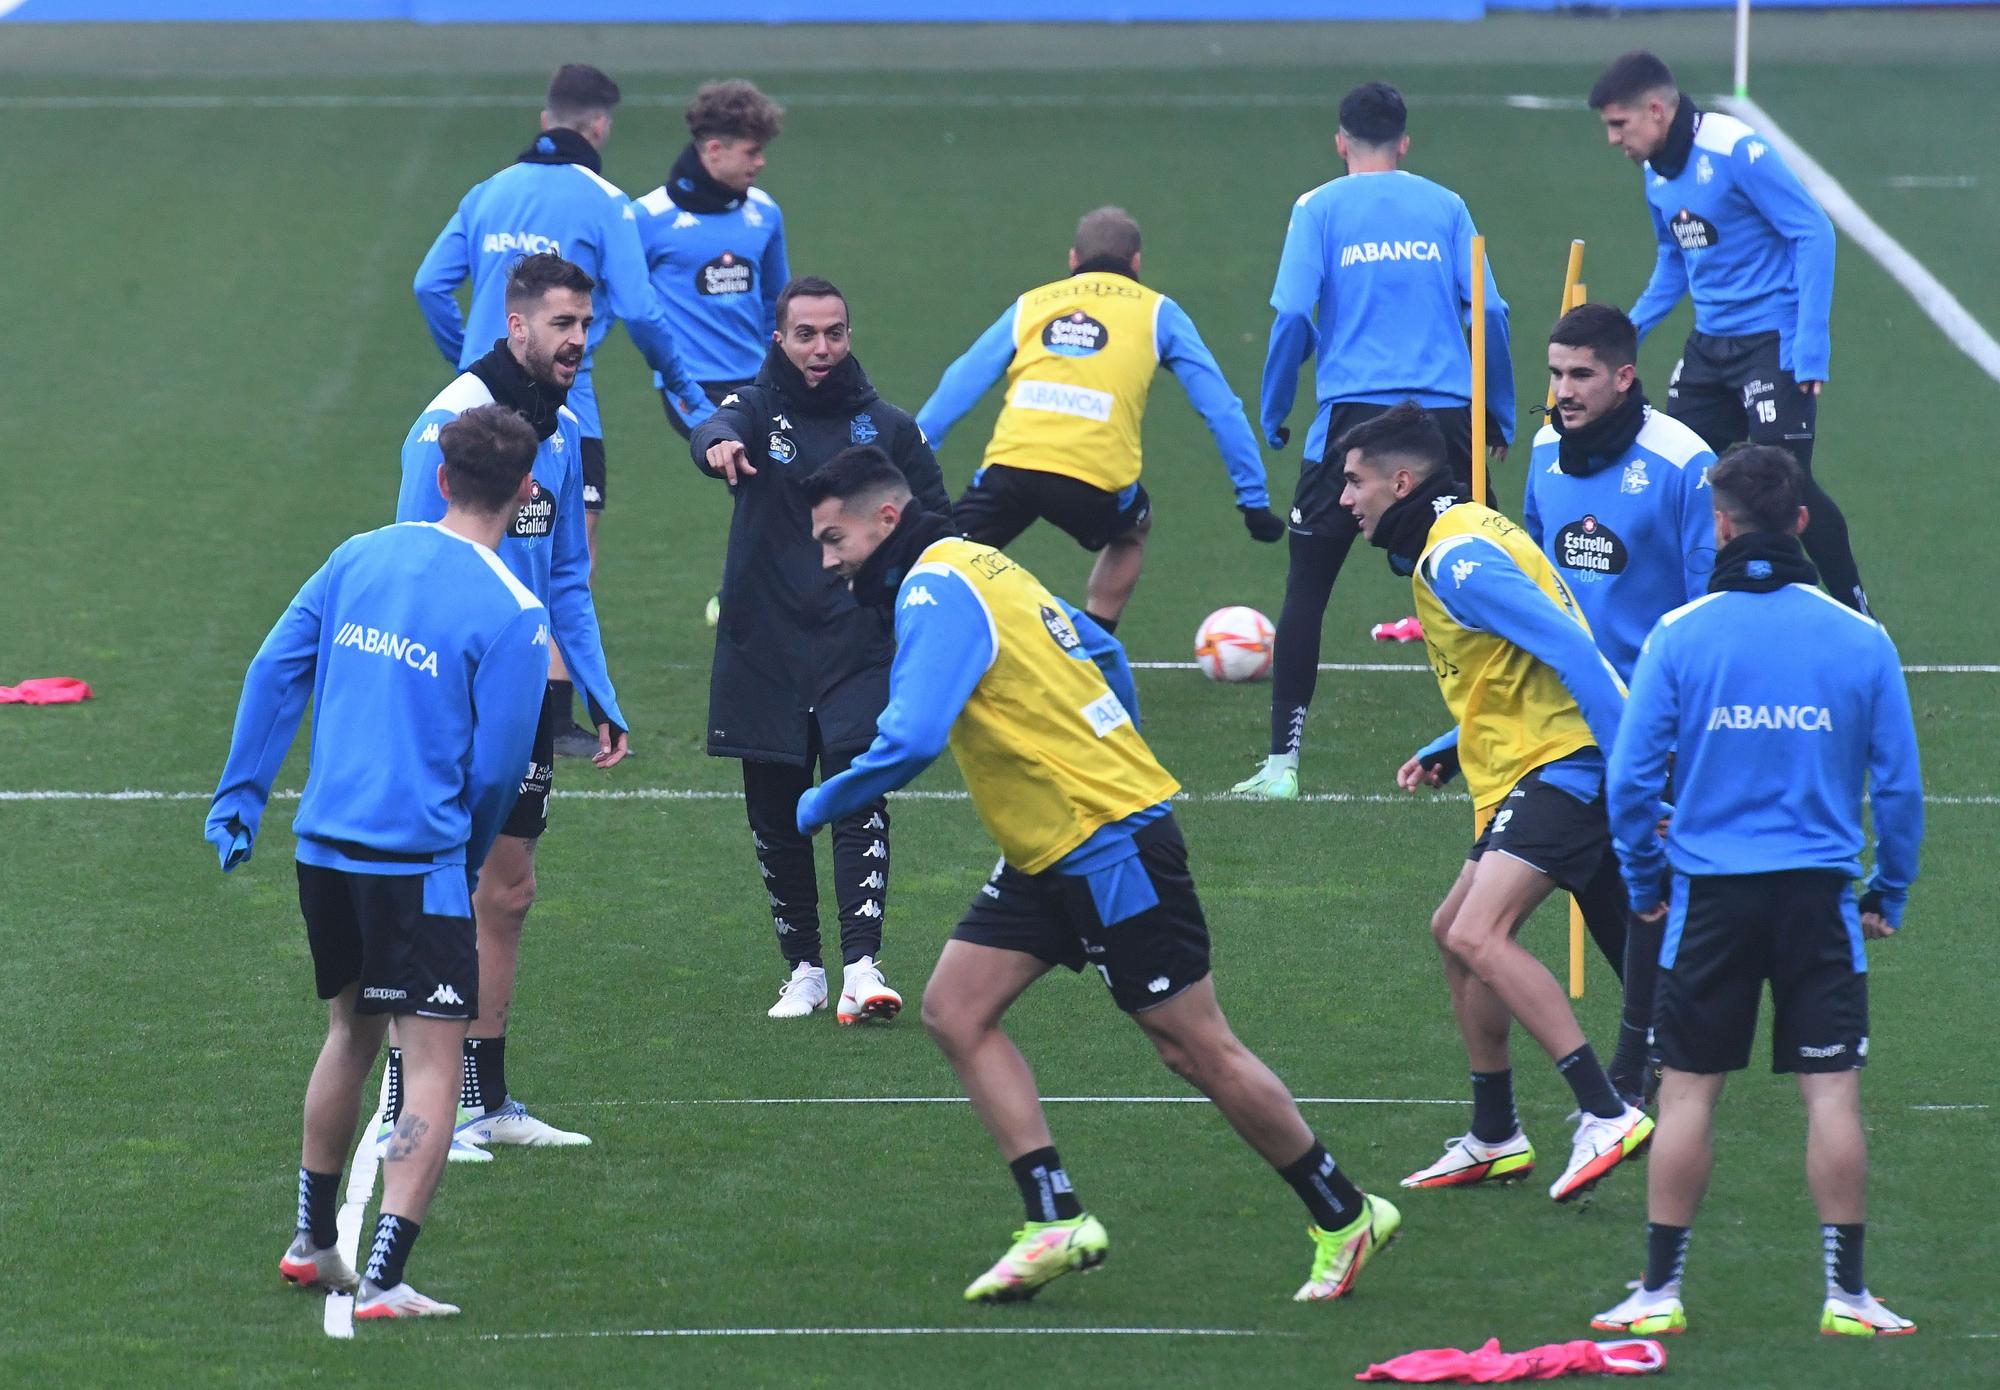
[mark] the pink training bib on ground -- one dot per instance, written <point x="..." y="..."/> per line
<point x="1491" y="1366"/>
<point x="45" y="690"/>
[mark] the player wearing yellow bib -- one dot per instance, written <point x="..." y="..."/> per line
<point x="1535" y="704"/>
<point x="1079" y="355"/>
<point x="1036" y="702"/>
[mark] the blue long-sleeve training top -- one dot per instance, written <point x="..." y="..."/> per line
<point x="1376" y="277"/>
<point x="424" y="658"/>
<point x="719" y="274"/>
<point x="1496" y="596"/>
<point x="1180" y="349"/>
<point x="576" y="213"/>
<point x="1633" y="540"/>
<point x="1739" y="232"/>
<point x="1778" y="708"/>
<point x="546" y="548"/>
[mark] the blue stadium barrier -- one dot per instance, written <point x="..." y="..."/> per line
<point x="829" y="11"/>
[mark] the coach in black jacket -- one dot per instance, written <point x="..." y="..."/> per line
<point x="802" y="671"/>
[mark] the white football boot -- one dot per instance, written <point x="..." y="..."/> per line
<point x="865" y="995"/>
<point x="802" y="993"/>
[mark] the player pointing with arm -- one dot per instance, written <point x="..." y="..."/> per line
<point x="423" y="713"/>
<point x="1079" y="355"/>
<point x="1036" y="701"/>
<point x="1778" y="707"/>
<point x="1534" y="703"/>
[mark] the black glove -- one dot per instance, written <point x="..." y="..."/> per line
<point x="1262" y="523"/>
<point x="1871" y="901"/>
<point x="598" y="716"/>
<point x="1280" y="437"/>
<point x="1444" y="762"/>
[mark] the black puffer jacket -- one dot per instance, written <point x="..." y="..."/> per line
<point x="792" y="645"/>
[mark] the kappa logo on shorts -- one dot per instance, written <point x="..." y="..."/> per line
<point x="1822" y="1053"/>
<point x="1158" y="985"/>
<point x="377" y="992"/>
<point x="445" y="994"/>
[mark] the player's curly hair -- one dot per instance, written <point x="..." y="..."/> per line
<point x="734" y="110"/>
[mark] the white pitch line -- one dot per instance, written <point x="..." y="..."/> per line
<point x="687" y="794"/>
<point x="1939" y="303"/>
<point x="1918" y="669"/>
<point x="887" y="1332"/>
<point x="1011" y="101"/>
<point x="1046" y="1100"/>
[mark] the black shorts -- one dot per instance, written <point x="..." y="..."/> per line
<point x="1548" y="829"/>
<point x="715" y="391"/>
<point x="530" y="816"/>
<point x="407" y="938"/>
<point x="593" y="475"/>
<point x="1316" y="509"/>
<point x="1003" y="502"/>
<point x="1728" y="390"/>
<point x="1146" y="958"/>
<point x="1726" y="936"/>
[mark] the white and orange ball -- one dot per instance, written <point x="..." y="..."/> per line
<point x="1234" y="644"/>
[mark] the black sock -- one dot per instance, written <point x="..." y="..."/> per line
<point x="392" y="1104"/>
<point x="1666" y="1254"/>
<point x="564" y="693"/>
<point x="1628" y="1063"/>
<point x="1108" y="624"/>
<point x="1586" y="1078"/>
<point x="319" y="1196"/>
<point x="1045" y="1189"/>
<point x="394" y="1235"/>
<point x="485" y="1085"/>
<point x="1493" y="1117"/>
<point x="1843" y="1257"/>
<point x="1333" y="1200"/>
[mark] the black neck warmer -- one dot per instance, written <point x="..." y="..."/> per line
<point x="1112" y="265"/>
<point x="882" y="574"/>
<point x="846" y="388"/>
<point x="1673" y="155"/>
<point x="1407" y="524"/>
<point x="1594" y="447"/>
<point x="1759" y="561"/>
<point x="511" y="386"/>
<point x="692" y="187"/>
<point x="562" y="146"/>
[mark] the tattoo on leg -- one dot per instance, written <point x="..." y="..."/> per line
<point x="404" y="1141"/>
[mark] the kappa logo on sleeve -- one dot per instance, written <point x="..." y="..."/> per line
<point x="918" y="598"/>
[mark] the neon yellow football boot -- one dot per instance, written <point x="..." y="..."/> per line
<point x="1341" y="1254"/>
<point x="1042" y="1251"/>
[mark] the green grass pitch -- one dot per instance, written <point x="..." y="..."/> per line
<point x="211" y="360"/>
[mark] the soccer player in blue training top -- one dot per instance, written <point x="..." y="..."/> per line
<point x="715" y="242"/>
<point x="1777" y="705"/>
<point x="529" y="371"/>
<point x="1079" y="355"/>
<point x="1376" y="277"/>
<point x="423" y="656"/>
<point x="1038" y="705"/>
<point x="1617" y="498"/>
<point x="1739" y="234"/>
<point x="555" y="198"/>
<point x="1535" y="704"/>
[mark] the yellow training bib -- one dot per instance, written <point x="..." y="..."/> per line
<point x="1085" y="351"/>
<point x="1514" y="713"/>
<point x="1048" y="752"/>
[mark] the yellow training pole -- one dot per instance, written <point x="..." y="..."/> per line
<point x="1575" y="949"/>
<point x="1572" y="274"/>
<point x="1479" y="370"/>
<point x="1579" y="295"/>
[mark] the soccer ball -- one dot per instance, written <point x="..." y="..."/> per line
<point x="1234" y="644"/>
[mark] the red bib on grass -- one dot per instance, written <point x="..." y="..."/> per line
<point x="1490" y="1365"/>
<point x="45" y="690"/>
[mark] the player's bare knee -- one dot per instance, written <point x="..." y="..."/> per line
<point x="1441" y="921"/>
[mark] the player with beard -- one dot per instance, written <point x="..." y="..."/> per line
<point x="1535" y="705"/>
<point x="1617" y="498"/>
<point x="1037" y="704"/>
<point x="800" y="670"/>
<point x="531" y="371"/>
